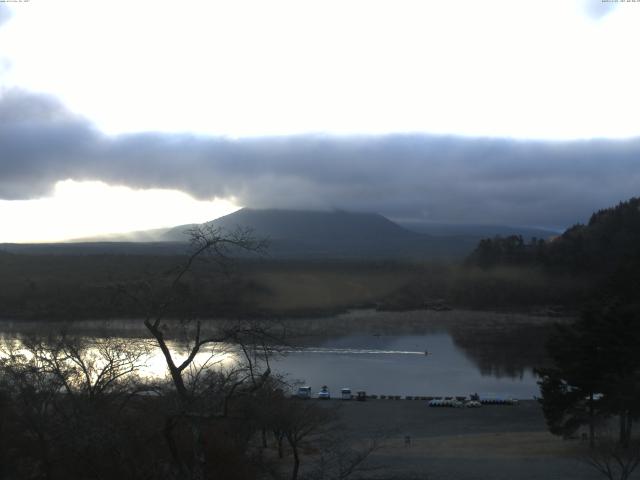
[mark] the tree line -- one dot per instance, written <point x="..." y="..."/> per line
<point x="611" y="238"/>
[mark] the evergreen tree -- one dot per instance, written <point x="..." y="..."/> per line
<point x="595" y="373"/>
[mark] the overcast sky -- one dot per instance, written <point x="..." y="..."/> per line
<point x="115" y="118"/>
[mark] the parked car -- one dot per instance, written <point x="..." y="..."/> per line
<point x="304" y="392"/>
<point x="324" y="394"/>
<point x="345" y="394"/>
<point x="362" y="396"/>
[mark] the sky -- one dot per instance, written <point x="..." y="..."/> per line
<point x="118" y="117"/>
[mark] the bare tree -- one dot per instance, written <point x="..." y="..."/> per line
<point x="27" y="384"/>
<point x="302" y="421"/>
<point x="612" y="459"/>
<point x="309" y="424"/>
<point x="94" y="370"/>
<point x="342" y="458"/>
<point x="67" y="397"/>
<point x="203" y="395"/>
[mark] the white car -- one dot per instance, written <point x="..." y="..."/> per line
<point x="324" y="394"/>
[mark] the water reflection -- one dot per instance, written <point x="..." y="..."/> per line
<point x="498" y="344"/>
<point x="381" y="352"/>
<point x="393" y="365"/>
<point x="504" y="351"/>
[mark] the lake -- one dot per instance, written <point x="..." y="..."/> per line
<point x="383" y="353"/>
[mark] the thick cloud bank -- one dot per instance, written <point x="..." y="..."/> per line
<point x="439" y="178"/>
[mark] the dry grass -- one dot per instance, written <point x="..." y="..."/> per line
<point x="494" y="445"/>
<point x="325" y="290"/>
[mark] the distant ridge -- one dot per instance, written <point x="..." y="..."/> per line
<point x="308" y="233"/>
<point x="297" y="234"/>
<point x="477" y="230"/>
<point x="304" y="225"/>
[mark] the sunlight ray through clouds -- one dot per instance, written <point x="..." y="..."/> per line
<point x="81" y="209"/>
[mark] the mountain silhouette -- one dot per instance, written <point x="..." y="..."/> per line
<point x="338" y="233"/>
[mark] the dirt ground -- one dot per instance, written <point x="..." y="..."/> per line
<point x="490" y="442"/>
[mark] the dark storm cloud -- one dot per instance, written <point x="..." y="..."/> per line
<point x="439" y="178"/>
<point x="40" y="142"/>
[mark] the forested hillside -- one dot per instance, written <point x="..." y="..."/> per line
<point x="609" y="241"/>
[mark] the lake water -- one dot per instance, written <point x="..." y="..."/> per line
<point x="383" y="353"/>
<point x="397" y="365"/>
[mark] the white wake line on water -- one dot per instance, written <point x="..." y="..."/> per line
<point x="352" y="351"/>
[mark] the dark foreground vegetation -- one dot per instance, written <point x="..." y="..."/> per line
<point x="593" y="385"/>
<point x="72" y="408"/>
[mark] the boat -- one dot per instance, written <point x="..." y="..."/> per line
<point x="447" y="402"/>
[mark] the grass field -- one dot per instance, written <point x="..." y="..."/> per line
<point x="491" y="442"/>
<point x="45" y="287"/>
